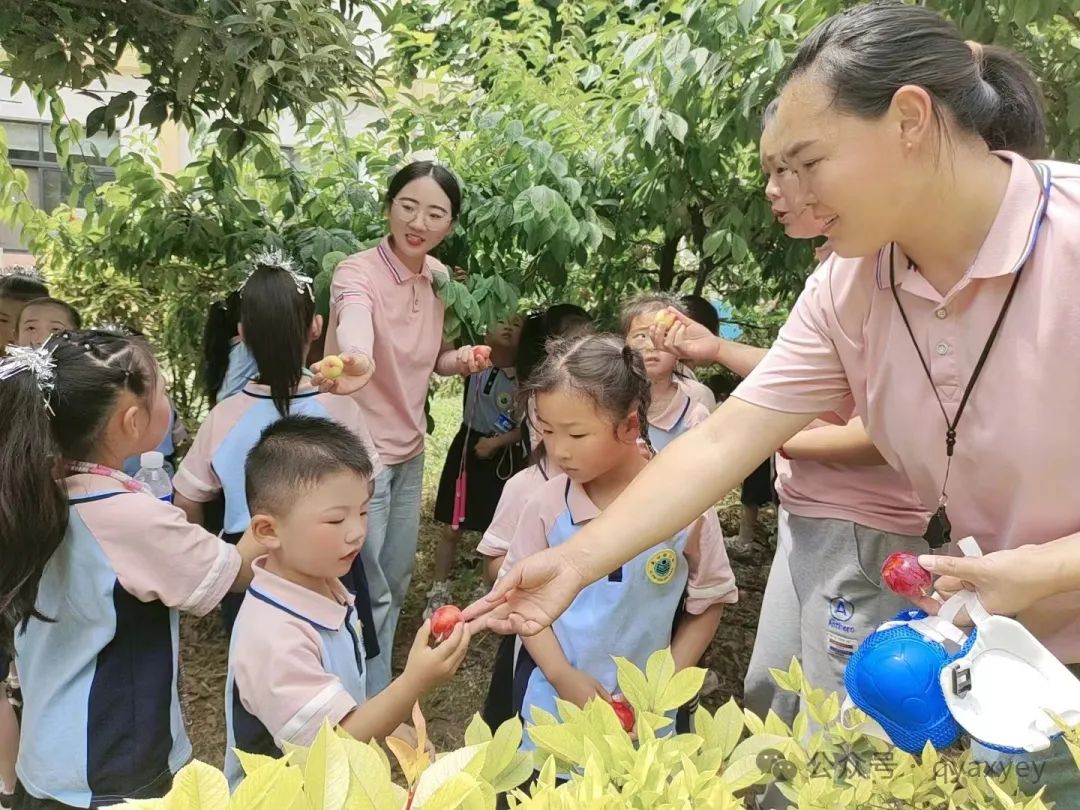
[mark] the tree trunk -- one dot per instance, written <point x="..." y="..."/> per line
<point x="705" y="263"/>
<point x="668" y="251"/>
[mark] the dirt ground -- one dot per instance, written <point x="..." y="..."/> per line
<point x="449" y="708"/>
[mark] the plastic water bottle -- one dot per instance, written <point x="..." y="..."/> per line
<point x="152" y="474"/>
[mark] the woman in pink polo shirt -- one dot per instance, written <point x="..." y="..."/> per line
<point x="386" y="322"/>
<point x="946" y="312"/>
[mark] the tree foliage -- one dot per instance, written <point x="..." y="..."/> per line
<point x="603" y="147"/>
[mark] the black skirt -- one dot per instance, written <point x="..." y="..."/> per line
<point x="485" y="479"/>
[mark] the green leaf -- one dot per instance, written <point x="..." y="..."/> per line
<point x="154" y="112"/>
<point x="590" y="75"/>
<point x="261" y="74"/>
<point x="632" y="684"/>
<point x="681" y="689"/>
<point x="1024" y="11"/>
<point x="714" y="242"/>
<point x="326" y="774"/>
<point x="748" y="9"/>
<point x="189" y="77"/>
<point x="638" y="48"/>
<point x="564" y="741"/>
<point x="676" y="125"/>
<point x="187" y="43"/>
<point x="503" y="747"/>
<point x="477" y="731"/>
<point x="274" y="780"/>
<point x="95" y="121"/>
<point x="199" y="786"/>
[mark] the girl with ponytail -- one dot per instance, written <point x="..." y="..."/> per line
<point x="278" y="324"/>
<point x="592" y="397"/>
<point x="95" y="571"/>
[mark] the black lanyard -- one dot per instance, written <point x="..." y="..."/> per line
<point x="939" y="529"/>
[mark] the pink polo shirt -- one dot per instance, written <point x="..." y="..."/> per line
<point x="379" y="308"/>
<point x="875" y="496"/>
<point x="698" y="391"/>
<point x="1015" y="474"/>
<point x="560" y="506"/>
<point x="278" y="655"/>
<point x="516" y="493"/>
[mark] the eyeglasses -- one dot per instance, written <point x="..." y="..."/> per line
<point x="434" y="218"/>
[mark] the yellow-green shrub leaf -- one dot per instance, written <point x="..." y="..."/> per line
<point x="501" y="751"/>
<point x="729" y="725"/>
<point x="459" y="792"/>
<point x="519" y="769"/>
<point x="277" y="782"/>
<point x="564" y="742"/>
<point x="477" y="731"/>
<point x="659" y="669"/>
<point x="200" y="787"/>
<point x="370" y="785"/>
<point x="445" y="770"/>
<point x="326" y="774"/>
<point x="253" y="762"/>
<point x="681" y="688"/>
<point x="632" y="683"/>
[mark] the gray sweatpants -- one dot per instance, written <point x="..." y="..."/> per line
<point x="823" y="597"/>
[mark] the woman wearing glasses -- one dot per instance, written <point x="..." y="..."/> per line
<point x="386" y="322"/>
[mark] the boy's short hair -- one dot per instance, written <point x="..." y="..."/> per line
<point x="22" y="287"/>
<point x="45" y="301"/>
<point x="293" y="455"/>
<point x="643" y="305"/>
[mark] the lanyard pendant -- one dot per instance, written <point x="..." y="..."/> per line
<point x="939" y="529"/>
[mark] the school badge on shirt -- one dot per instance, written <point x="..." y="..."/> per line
<point x="661" y="567"/>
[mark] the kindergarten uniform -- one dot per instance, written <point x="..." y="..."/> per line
<point x="681" y="414"/>
<point x="296" y="660"/>
<point x="101" y="707"/>
<point x="697" y="390"/>
<point x="499" y="703"/>
<point x="1014" y="476"/>
<point x="630" y="612"/>
<point x="488" y="410"/>
<point x="215" y="462"/>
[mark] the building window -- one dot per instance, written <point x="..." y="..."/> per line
<point x="31" y="150"/>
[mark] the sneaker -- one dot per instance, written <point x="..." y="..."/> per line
<point x="438" y="596"/>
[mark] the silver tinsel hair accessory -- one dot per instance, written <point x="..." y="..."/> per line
<point x="278" y="259"/>
<point x="38" y="362"/>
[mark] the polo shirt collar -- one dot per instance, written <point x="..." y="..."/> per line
<point x="1011" y="238"/>
<point x="328" y="614"/>
<point x="400" y="272"/>
<point x="303" y="389"/>
<point x="578" y="504"/>
<point x="675" y="410"/>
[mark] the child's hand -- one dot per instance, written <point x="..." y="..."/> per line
<point x="407" y="734"/>
<point x="683" y="337"/>
<point x="428" y="666"/>
<point x="486" y="447"/>
<point x="578" y="687"/>
<point x="357" y="371"/>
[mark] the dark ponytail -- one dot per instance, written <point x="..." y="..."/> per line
<point x="603" y="368"/>
<point x="867" y="53"/>
<point x="218" y="334"/>
<point x="277" y="318"/>
<point x="91" y="369"/>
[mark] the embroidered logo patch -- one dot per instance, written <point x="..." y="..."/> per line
<point x="504" y="401"/>
<point x="661" y="567"/>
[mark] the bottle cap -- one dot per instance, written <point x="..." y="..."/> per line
<point x="153" y="460"/>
